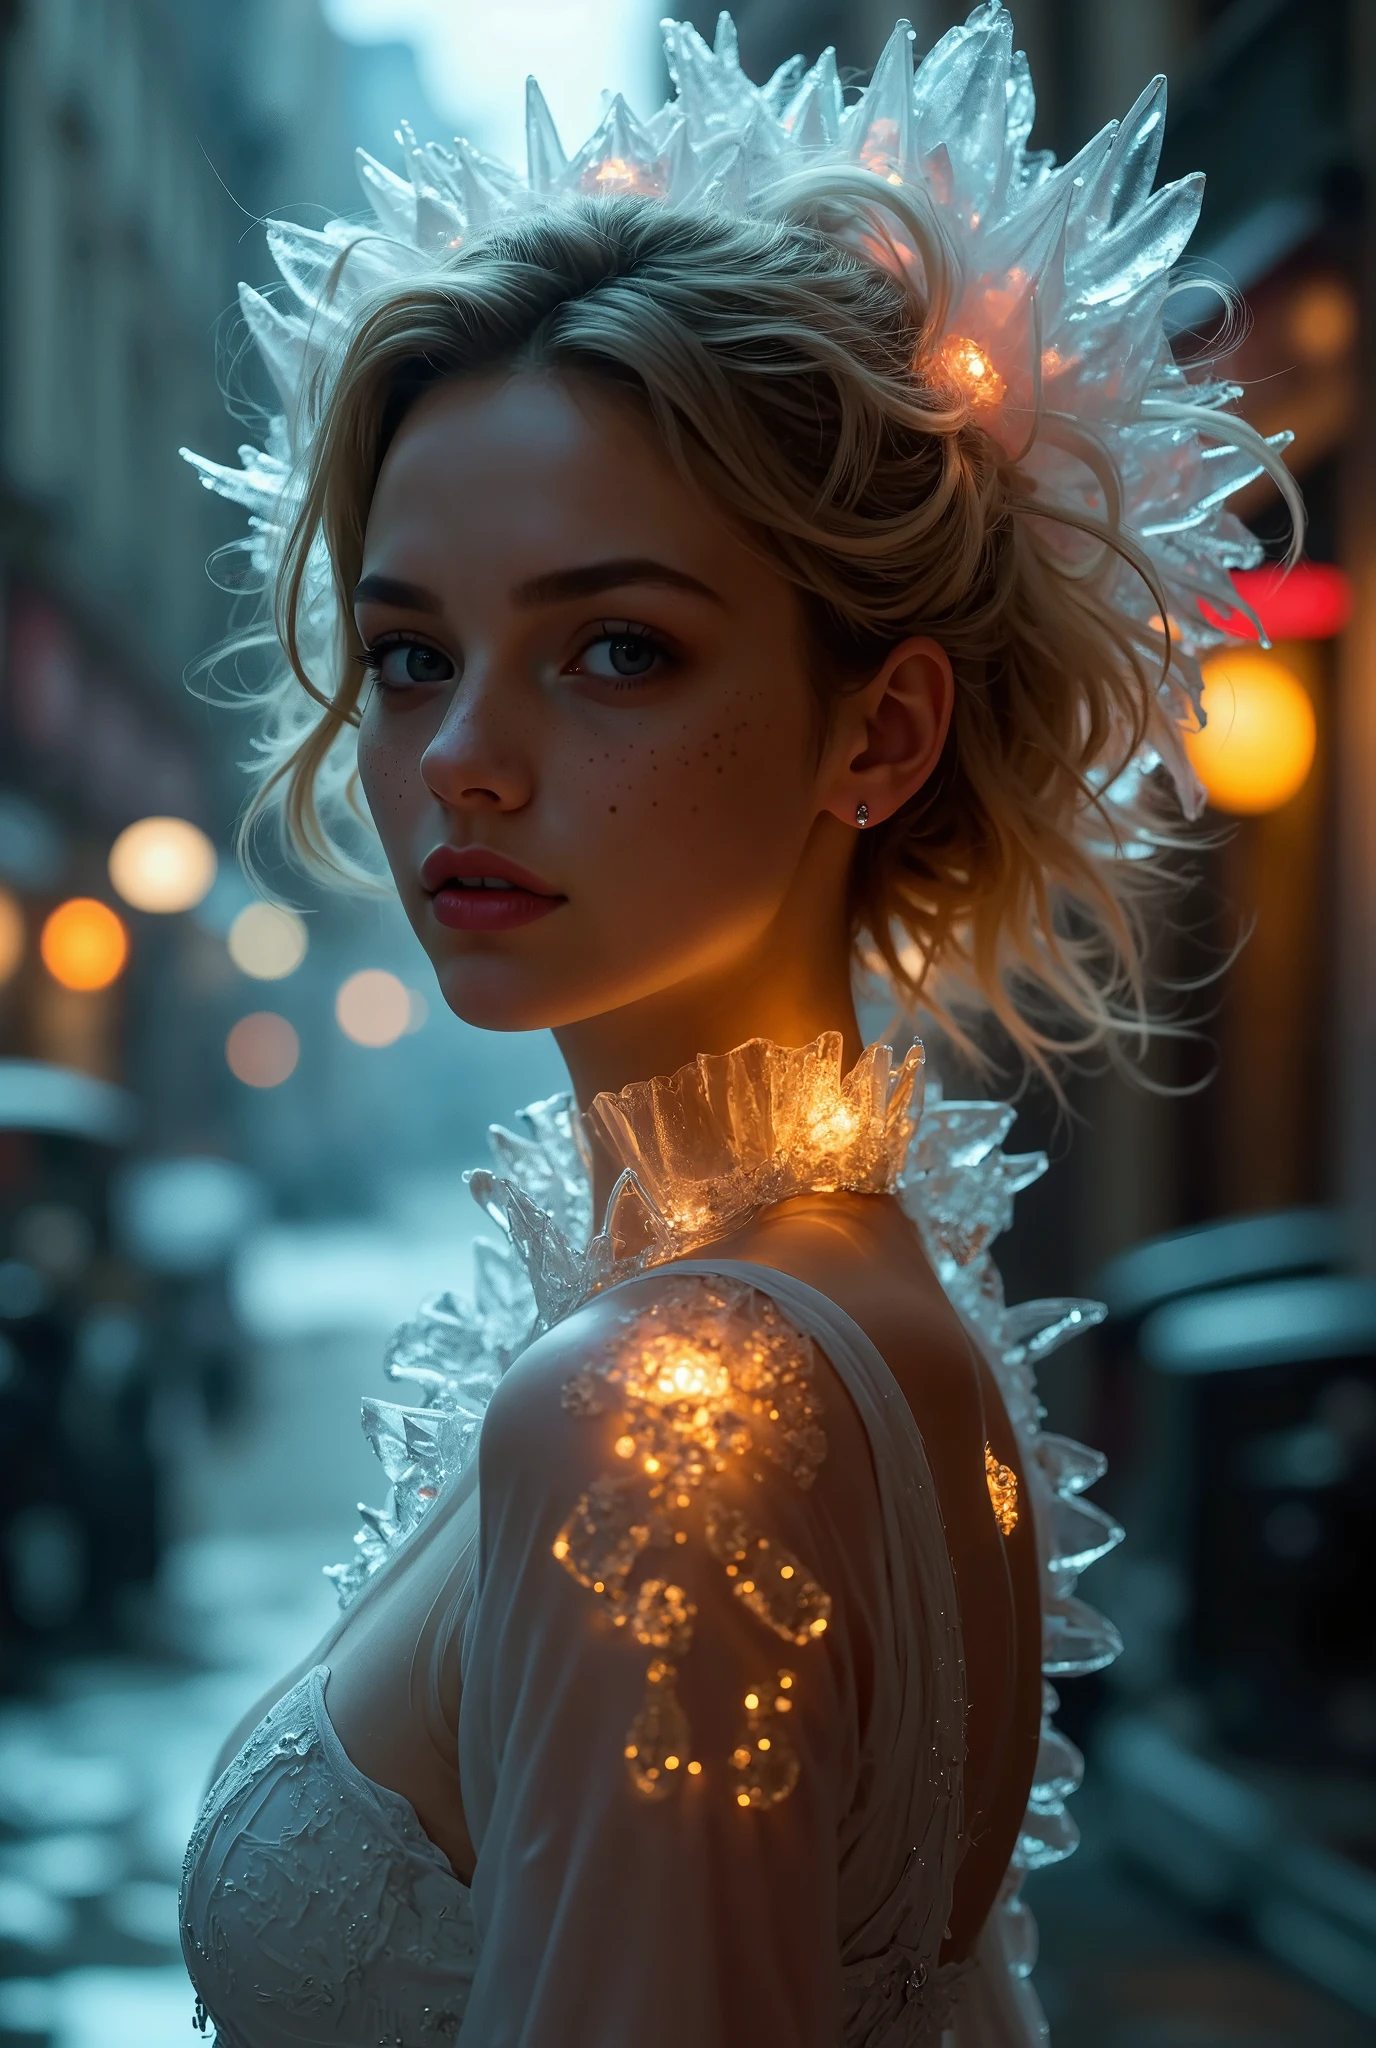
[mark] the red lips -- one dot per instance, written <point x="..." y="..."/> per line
<point x="500" y="894"/>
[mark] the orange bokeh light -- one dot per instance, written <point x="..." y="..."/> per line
<point x="83" y="944"/>
<point x="1257" y="748"/>
<point x="12" y="936"/>
<point x="1323" y="320"/>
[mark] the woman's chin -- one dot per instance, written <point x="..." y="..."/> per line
<point x="493" y="1001"/>
<point x="502" y="995"/>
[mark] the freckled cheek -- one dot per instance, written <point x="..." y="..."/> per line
<point x="693" y="798"/>
<point x="379" y="776"/>
<point x="393" y="787"/>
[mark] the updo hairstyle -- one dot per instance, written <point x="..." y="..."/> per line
<point x="791" y="366"/>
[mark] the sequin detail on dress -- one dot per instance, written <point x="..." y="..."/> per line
<point x="764" y="1759"/>
<point x="700" y="1386"/>
<point x="1002" y="1482"/>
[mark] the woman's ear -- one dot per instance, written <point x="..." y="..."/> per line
<point x="887" y="738"/>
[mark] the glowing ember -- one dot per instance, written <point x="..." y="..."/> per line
<point x="671" y="1370"/>
<point x="616" y="175"/>
<point x="830" y="1127"/>
<point x="969" y="364"/>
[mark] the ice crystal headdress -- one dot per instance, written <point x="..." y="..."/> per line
<point x="1056" y="329"/>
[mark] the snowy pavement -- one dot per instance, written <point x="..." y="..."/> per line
<point x="100" y="1781"/>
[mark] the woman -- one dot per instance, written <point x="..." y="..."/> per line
<point x="738" y="554"/>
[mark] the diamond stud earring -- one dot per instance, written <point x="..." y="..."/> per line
<point x="862" y="815"/>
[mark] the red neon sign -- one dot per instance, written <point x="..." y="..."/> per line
<point x="1312" y="601"/>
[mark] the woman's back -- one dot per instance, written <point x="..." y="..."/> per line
<point x="863" y="1254"/>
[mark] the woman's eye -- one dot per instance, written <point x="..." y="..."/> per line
<point x="621" y="656"/>
<point x="409" y="661"/>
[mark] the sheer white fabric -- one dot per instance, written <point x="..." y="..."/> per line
<point x="596" y="1916"/>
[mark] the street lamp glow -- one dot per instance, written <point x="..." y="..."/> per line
<point x="83" y="944"/>
<point x="12" y="936"/>
<point x="162" y="865"/>
<point x="262" y="1050"/>
<point x="267" y="942"/>
<point x="373" y="1007"/>
<point x="1257" y="748"/>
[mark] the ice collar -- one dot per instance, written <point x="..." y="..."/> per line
<point x="701" y="1151"/>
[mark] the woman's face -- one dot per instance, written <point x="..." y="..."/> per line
<point x="589" y="741"/>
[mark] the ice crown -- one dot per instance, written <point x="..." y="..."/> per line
<point x="1057" y="323"/>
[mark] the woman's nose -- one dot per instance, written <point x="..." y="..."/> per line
<point x="475" y="760"/>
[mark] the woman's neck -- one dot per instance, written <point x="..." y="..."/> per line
<point x="794" y="985"/>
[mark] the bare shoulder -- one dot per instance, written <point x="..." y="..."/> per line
<point x="532" y="1413"/>
<point x="864" y="1254"/>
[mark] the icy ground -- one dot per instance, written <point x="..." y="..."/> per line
<point x="99" y="1785"/>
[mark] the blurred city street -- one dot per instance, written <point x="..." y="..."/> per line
<point x="102" y="1777"/>
<point x="235" y="1113"/>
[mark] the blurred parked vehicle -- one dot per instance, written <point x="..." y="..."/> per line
<point x="1243" y="1376"/>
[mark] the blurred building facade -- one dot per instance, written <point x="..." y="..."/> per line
<point x="144" y="142"/>
<point x="141" y="142"/>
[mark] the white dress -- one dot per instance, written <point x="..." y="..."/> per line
<point x="644" y="1757"/>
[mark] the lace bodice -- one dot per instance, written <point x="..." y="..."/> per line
<point x="314" y="1906"/>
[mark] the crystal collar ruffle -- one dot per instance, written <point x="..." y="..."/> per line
<point x="703" y="1150"/>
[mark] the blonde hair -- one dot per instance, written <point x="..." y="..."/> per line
<point x="791" y="365"/>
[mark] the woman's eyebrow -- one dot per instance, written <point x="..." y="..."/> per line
<point x="562" y="584"/>
<point x="406" y="597"/>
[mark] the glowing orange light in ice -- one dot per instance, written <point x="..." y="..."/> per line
<point x="616" y="175"/>
<point x="970" y="366"/>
